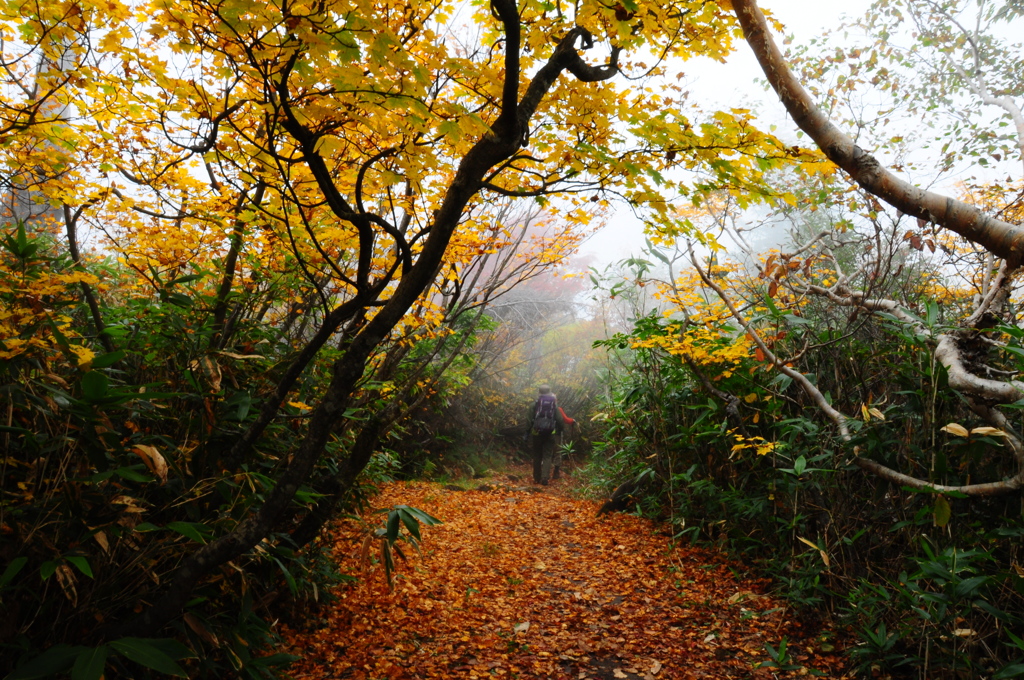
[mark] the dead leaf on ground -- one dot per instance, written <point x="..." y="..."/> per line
<point x="501" y="589"/>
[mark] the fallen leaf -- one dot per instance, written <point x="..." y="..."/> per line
<point x="504" y="586"/>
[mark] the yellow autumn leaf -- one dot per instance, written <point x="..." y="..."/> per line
<point x="806" y="542"/>
<point x="750" y="398"/>
<point x="955" y="429"/>
<point x="83" y="355"/>
<point x="865" y="413"/>
<point x="876" y="413"/>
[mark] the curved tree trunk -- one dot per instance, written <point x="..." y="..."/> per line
<point x="506" y="137"/>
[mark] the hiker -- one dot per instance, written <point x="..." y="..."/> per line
<point x="546" y="418"/>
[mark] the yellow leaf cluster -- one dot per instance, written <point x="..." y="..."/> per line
<point x="759" y="445"/>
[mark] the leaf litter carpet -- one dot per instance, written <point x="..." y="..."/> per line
<point x="525" y="582"/>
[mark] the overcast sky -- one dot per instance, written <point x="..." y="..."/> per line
<point x="734" y="84"/>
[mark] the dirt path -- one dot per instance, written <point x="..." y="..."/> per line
<point x="529" y="584"/>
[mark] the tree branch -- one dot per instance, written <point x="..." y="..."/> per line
<point x="1002" y="238"/>
<point x="986" y="489"/>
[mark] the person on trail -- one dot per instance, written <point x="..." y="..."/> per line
<point x="546" y="419"/>
<point x="543" y="422"/>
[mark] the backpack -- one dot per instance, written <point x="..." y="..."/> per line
<point x="544" y="414"/>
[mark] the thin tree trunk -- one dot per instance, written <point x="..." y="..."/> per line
<point x="70" y="226"/>
<point x="220" y="308"/>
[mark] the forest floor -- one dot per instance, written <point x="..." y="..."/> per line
<point x="523" y="581"/>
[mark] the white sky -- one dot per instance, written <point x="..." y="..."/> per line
<point x="734" y="84"/>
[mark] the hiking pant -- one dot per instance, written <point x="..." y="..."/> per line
<point x="543" y="455"/>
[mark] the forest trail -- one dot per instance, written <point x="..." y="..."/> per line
<point x="525" y="582"/>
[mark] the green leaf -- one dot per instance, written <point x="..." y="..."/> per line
<point x="969" y="586"/>
<point x="81" y="563"/>
<point x="393" y="527"/>
<point x="657" y="253"/>
<point x="1015" y="670"/>
<point x="12" y="570"/>
<point x="306" y="496"/>
<point x="172" y="648"/>
<point x="996" y="613"/>
<point x="90" y="664"/>
<point x="279" y="659"/>
<point x="242" y="402"/>
<point x="1015" y="350"/>
<point x="47" y="569"/>
<point x="146" y="653"/>
<point x="189" y="278"/>
<point x="57" y="659"/>
<point x="179" y="300"/>
<point x="115" y="332"/>
<point x="197" y="532"/>
<point x="794" y="320"/>
<point x="109" y="359"/>
<point x="289" y="579"/>
<point x="421" y="516"/>
<point x="132" y="473"/>
<point x="61" y="339"/>
<point x="941" y="512"/>
<point x="94" y="385"/>
<point x="411" y="523"/>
